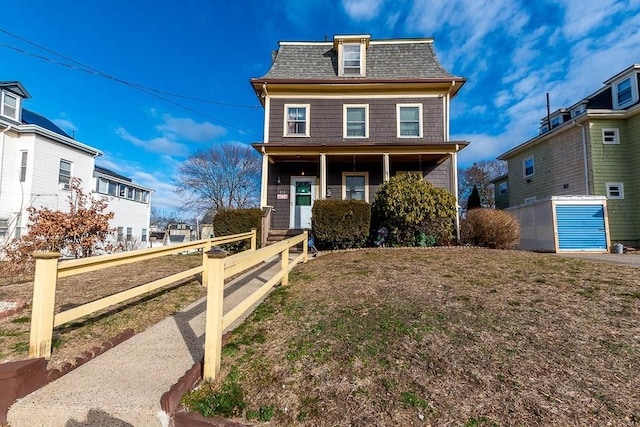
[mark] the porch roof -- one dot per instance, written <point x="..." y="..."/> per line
<point x="317" y="148"/>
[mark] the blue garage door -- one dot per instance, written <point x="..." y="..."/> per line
<point x="581" y="227"/>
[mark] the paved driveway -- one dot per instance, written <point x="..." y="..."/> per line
<point x="628" y="259"/>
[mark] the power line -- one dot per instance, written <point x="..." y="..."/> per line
<point x="145" y="89"/>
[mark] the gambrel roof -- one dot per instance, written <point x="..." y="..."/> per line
<point x="401" y="59"/>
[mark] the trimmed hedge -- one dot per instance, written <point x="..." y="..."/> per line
<point x="341" y="224"/>
<point x="491" y="228"/>
<point x="235" y="221"/>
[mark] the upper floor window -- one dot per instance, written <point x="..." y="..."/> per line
<point x="9" y="105"/>
<point x="528" y="167"/>
<point x="23" y="166"/>
<point x="625" y="92"/>
<point x="351" y="60"/>
<point x="356" y="121"/>
<point x="610" y="136"/>
<point x="296" y="120"/>
<point x="615" y="190"/>
<point x="409" y="120"/>
<point x="64" y="174"/>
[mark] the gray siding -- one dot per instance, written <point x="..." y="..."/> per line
<point x="326" y="120"/>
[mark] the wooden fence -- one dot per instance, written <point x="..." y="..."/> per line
<point x="49" y="269"/>
<point x="221" y="267"/>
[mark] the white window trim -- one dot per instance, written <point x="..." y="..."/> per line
<point x="366" y="184"/>
<point x="524" y="167"/>
<point x="345" y="107"/>
<point x="634" y="91"/>
<point x="616" y="136"/>
<point x="308" y="121"/>
<point x="420" y="119"/>
<point x="620" y="186"/>
<point x="363" y="59"/>
<point x="18" y="106"/>
<point x="65" y="185"/>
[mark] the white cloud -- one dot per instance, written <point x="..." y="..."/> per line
<point x="362" y="10"/>
<point x="161" y="145"/>
<point x="183" y="128"/>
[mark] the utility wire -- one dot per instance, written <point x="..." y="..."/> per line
<point x="145" y="89"/>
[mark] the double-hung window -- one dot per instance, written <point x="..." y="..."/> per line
<point x="615" y="190"/>
<point x="351" y="60"/>
<point x="64" y="174"/>
<point x="296" y="120"/>
<point x="355" y="186"/>
<point x="528" y="167"/>
<point x="409" y="120"/>
<point x="9" y="105"/>
<point x="624" y="92"/>
<point x="23" y="166"/>
<point x="610" y="136"/>
<point x="356" y="121"/>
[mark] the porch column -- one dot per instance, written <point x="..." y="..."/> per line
<point x="265" y="180"/>
<point x="323" y="176"/>
<point x="385" y="167"/>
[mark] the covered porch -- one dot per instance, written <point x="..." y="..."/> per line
<point x="294" y="176"/>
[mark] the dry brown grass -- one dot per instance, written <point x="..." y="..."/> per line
<point x="446" y="336"/>
<point x="71" y="340"/>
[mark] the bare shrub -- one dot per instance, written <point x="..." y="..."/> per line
<point x="490" y="228"/>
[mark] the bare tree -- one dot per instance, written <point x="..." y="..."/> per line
<point x="162" y="219"/>
<point x="480" y="175"/>
<point x="225" y="176"/>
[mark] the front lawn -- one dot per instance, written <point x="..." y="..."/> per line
<point x="443" y="336"/>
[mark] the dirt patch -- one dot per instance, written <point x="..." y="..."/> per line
<point x="446" y="336"/>
<point x="71" y="340"/>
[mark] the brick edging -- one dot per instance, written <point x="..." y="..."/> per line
<point x="170" y="400"/>
<point x="17" y="309"/>
<point x="22" y="377"/>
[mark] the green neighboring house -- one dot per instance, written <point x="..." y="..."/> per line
<point x="591" y="148"/>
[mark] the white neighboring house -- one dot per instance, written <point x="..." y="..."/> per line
<point x="37" y="162"/>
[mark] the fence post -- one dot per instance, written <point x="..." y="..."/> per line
<point x="254" y="239"/>
<point x="284" y="265"/>
<point x="305" y="247"/>
<point x="205" y="264"/>
<point x="44" y="298"/>
<point x="213" y="326"/>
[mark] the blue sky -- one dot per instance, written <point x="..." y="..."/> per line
<point x="511" y="52"/>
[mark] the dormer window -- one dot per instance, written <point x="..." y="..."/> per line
<point x="352" y="59"/>
<point x="351" y="65"/>
<point x="10" y="105"/>
<point x="625" y="92"/>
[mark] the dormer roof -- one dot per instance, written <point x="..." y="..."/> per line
<point x="16" y="88"/>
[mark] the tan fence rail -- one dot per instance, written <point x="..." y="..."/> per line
<point x="49" y="269"/>
<point x="220" y="267"/>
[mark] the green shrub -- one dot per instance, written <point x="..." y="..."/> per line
<point x="491" y="228"/>
<point x="409" y="211"/>
<point x="235" y="221"/>
<point x="341" y="224"/>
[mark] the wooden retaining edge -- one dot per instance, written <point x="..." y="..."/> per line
<point x="170" y="400"/>
<point x="20" y="378"/>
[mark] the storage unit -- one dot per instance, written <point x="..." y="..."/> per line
<point x="564" y="224"/>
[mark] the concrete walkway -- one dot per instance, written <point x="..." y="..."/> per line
<point x="123" y="386"/>
<point x="632" y="260"/>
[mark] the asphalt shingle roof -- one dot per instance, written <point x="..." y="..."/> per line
<point x="31" y="118"/>
<point x="400" y="60"/>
